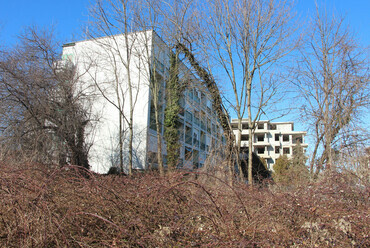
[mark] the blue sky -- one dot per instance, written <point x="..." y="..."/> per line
<point x="69" y="16"/>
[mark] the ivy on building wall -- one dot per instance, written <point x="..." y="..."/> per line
<point x="174" y="90"/>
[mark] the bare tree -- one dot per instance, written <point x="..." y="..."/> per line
<point x="44" y="115"/>
<point x="246" y="39"/>
<point x="147" y="17"/>
<point x="115" y="21"/>
<point x="333" y="81"/>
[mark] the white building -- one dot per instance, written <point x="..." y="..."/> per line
<point x="271" y="139"/>
<point x="106" y="65"/>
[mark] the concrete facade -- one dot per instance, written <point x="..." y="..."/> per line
<point x="271" y="139"/>
<point x="106" y="65"/>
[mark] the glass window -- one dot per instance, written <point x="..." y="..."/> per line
<point x="188" y="135"/>
<point x="277" y="149"/>
<point x="196" y="118"/>
<point x="188" y="153"/>
<point x="202" y="140"/>
<point x="208" y="125"/>
<point x="188" y="117"/>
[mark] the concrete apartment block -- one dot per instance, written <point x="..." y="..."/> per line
<point x="102" y="64"/>
<point x="270" y="139"/>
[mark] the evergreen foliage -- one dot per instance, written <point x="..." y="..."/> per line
<point x="292" y="171"/>
<point x="281" y="168"/>
<point x="298" y="171"/>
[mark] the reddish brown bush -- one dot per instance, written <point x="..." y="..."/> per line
<point x="43" y="207"/>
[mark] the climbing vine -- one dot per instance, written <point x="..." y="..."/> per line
<point x="174" y="90"/>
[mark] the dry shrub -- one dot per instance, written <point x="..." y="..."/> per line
<point x="64" y="207"/>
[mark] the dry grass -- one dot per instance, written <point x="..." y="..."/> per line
<point x="42" y="207"/>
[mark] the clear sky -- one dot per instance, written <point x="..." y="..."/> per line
<point x="69" y="16"/>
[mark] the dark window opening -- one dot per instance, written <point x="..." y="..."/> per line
<point x="234" y="126"/>
<point x="260" y="150"/>
<point x="244" y="150"/>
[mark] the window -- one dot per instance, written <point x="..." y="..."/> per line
<point x="190" y="94"/>
<point x="188" y="135"/>
<point x="208" y="125"/>
<point x="195" y="138"/>
<point x="285" y="137"/>
<point x="272" y="126"/>
<point x="196" y="118"/>
<point x="196" y="96"/>
<point x="182" y="111"/>
<point x="159" y="65"/>
<point x="277" y="137"/>
<point x="188" y="116"/>
<point x="203" y="99"/>
<point x="245" y="126"/>
<point x="223" y="139"/>
<point x="234" y="126"/>
<point x="244" y="137"/>
<point x="260" y="150"/>
<point x="195" y="158"/>
<point x="202" y="120"/>
<point x="277" y="149"/>
<point x="182" y="101"/>
<point x="152" y="158"/>
<point x="202" y="141"/>
<point x="286" y="150"/>
<point x="260" y="126"/>
<point x="260" y="138"/>
<point x="188" y="153"/>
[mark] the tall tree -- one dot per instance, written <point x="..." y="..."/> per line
<point x="114" y="20"/>
<point x="245" y="40"/>
<point x="333" y="81"/>
<point x="44" y="114"/>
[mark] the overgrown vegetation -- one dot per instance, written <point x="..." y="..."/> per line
<point x="43" y="207"/>
<point x="292" y="172"/>
<point x="172" y="111"/>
